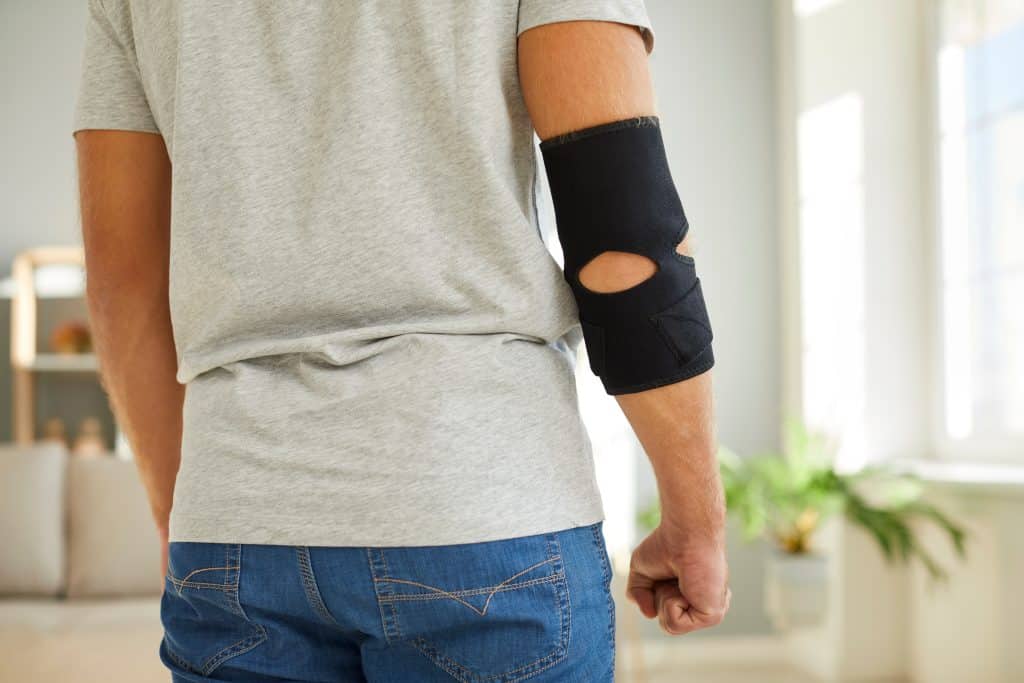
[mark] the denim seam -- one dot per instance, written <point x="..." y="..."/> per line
<point x="394" y="609"/>
<point x="414" y="597"/>
<point x="233" y="560"/>
<point x="465" y="675"/>
<point x="180" y="661"/>
<point x="309" y="586"/>
<point x="206" y="569"/>
<point x="385" y="623"/>
<point x="565" y="611"/>
<point x="241" y="647"/>
<point x="427" y="651"/>
<point x="606" y="572"/>
<point x="462" y="673"/>
<point x="194" y="584"/>
<point x="233" y="563"/>
<point x="181" y="583"/>
<point x="453" y="596"/>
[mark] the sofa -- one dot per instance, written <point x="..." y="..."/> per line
<point x="80" y="578"/>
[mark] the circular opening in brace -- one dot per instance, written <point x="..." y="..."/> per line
<point x="616" y="271"/>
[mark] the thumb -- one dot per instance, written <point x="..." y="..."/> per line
<point x="640" y="590"/>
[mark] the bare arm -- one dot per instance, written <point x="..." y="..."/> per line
<point x="584" y="73"/>
<point x="125" y="187"/>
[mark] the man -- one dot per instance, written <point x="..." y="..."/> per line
<point x="333" y="336"/>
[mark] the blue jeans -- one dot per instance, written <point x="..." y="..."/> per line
<point x="534" y="608"/>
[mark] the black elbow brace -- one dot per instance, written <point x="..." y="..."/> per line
<point x="612" y="191"/>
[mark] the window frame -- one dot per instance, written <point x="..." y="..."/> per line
<point x="973" y="449"/>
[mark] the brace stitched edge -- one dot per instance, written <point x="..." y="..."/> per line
<point x="634" y="122"/>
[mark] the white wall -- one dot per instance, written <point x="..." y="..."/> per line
<point x="968" y="629"/>
<point x="855" y="128"/>
<point x="40" y="56"/>
<point x="886" y="623"/>
<point x="714" y="81"/>
<point x="715" y="86"/>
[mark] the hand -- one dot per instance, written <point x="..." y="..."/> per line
<point x="683" y="583"/>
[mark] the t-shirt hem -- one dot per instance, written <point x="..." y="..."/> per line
<point x="101" y="124"/>
<point x="201" y="529"/>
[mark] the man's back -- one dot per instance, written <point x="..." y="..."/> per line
<point x="378" y="467"/>
<point x="360" y="295"/>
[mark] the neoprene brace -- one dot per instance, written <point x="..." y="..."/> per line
<point x="612" y="191"/>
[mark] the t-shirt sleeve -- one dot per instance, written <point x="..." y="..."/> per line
<point x="633" y="12"/>
<point x="110" y="91"/>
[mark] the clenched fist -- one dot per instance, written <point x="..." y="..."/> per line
<point x="681" y="582"/>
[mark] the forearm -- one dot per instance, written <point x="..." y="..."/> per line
<point x="579" y="74"/>
<point x="124" y="188"/>
<point x="675" y="426"/>
<point x="133" y="341"/>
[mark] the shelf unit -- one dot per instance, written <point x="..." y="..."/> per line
<point x="26" y="360"/>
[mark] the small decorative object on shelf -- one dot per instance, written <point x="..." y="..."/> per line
<point x="71" y="337"/>
<point x="54" y="432"/>
<point x="47" y="272"/>
<point x="89" y="441"/>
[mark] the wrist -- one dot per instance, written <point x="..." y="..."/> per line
<point x="694" y="523"/>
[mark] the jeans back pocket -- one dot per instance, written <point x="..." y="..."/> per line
<point x="493" y="612"/>
<point x="204" y="623"/>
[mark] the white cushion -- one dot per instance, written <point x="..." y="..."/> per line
<point x="32" y="519"/>
<point x="113" y="545"/>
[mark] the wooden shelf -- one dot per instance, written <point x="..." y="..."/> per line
<point x="66" y="276"/>
<point x="63" y="362"/>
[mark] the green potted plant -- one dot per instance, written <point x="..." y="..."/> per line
<point x="785" y="498"/>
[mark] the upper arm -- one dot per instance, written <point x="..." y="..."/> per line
<point x="583" y="63"/>
<point x="124" y="173"/>
<point x="124" y="182"/>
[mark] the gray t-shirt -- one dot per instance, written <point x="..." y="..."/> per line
<point x="378" y="348"/>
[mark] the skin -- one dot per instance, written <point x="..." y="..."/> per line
<point x="580" y="74"/>
<point x="125" y="197"/>
<point x="573" y="75"/>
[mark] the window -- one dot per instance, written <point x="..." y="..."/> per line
<point x="979" y="59"/>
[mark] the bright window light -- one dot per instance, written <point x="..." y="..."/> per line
<point x="981" y="155"/>
<point x="830" y="140"/>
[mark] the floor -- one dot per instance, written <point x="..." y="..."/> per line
<point x="725" y="674"/>
<point x="703" y="661"/>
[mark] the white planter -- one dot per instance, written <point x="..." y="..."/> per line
<point x="796" y="589"/>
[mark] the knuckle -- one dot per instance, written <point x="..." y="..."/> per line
<point x="681" y="630"/>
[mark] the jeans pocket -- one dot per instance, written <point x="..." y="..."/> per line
<point x="204" y="623"/>
<point x="493" y="612"/>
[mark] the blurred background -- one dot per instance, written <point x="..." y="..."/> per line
<point x="853" y="171"/>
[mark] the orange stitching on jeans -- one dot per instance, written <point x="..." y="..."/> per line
<point x="380" y="605"/>
<point x="453" y="596"/>
<point x="420" y="597"/>
<point x="207" y="569"/>
<point x="560" y="654"/>
<point x="183" y="582"/>
<point x="200" y="584"/>
<point x="394" y="609"/>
